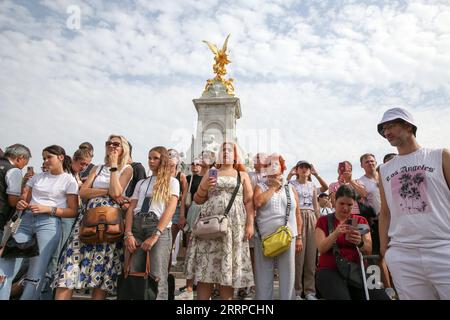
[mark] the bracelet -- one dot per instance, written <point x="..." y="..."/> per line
<point x="128" y="233"/>
<point x="157" y="232"/>
<point x="127" y="236"/>
<point x="299" y="236"/>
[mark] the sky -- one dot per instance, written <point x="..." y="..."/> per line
<point x="313" y="77"/>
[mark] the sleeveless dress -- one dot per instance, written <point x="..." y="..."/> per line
<point x="225" y="260"/>
<point x="82" y="266"/>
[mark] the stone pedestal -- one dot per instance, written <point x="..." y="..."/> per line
<point x="217" y="115"/>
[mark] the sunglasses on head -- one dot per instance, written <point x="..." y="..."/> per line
<point x="113" y="143"/>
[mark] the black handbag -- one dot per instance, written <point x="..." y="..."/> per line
<point x="136" y="285"/>
<point x="350" y="271"/>
<point x="10" y="247"/>
<point x="14" y="249"/>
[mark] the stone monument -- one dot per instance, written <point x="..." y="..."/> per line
<point x="217" y="109"/>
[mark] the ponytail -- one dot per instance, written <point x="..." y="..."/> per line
<point x="67" y="165"/>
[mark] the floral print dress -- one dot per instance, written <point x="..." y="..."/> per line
<point x="83" y="266"/>
<point x="224" y="260"/>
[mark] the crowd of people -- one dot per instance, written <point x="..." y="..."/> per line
<point x="398" y="213"/>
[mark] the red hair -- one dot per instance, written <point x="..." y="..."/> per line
<point x="280" y="159"/>
<point x="237" y="163"/>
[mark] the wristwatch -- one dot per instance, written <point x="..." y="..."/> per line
<point x="53" y="212"/>
<point x="157" y="232"/>
<point x="112" y="169"/>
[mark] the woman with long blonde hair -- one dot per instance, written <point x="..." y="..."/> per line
<point x="149" y="219"/>
<point x="81" y="265"/>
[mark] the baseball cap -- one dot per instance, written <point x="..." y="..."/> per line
<point x="323" y="194"/>
<point x="396" y="114"/>
<point x="303" y="162"/>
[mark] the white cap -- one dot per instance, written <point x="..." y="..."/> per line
<point x="397" y="114"/>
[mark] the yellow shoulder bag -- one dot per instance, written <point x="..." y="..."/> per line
<point x="279" y="241"/>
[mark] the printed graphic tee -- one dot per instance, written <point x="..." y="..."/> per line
<point x="418" y="199"/>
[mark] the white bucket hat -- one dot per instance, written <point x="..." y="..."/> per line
<point x="397" y="114"/>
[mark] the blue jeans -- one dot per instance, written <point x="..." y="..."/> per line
<point x="66" y="228"/>
<point x="143" y="227"/>
<point x="48" y="232"/>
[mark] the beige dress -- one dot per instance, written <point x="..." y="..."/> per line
<point x="225" y="260"/>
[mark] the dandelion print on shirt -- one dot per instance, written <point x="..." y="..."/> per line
<point x="409" y="192"/>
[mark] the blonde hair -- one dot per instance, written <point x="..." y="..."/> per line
<point x="82" y="154"/>
<point x="124" y="158"/>
<point x="161" y="190"/>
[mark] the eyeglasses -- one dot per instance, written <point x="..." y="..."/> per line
<point x="113" y="143"/>
<point x="195" y="164"/>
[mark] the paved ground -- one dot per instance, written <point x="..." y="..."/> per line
<point x="180" y="281"/>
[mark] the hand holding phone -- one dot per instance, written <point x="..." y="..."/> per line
<point x="213" y="174"/>
<point x="353" y="225"/>
<point x="341" y="168"/>
<point x="29" y="174"/>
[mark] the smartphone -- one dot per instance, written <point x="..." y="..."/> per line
<point x="30" y="170"/>
<point x="353" y="222"/>
<point x="213" y="173"/>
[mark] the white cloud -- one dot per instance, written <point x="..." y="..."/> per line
<point x="317" y="75"/>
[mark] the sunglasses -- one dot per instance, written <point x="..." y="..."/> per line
<point x="173" y="154"/>
<point x="195" y="164"/>
<point x="112" y="143"/>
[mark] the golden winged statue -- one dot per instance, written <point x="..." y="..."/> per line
<point x="221" y="60"/>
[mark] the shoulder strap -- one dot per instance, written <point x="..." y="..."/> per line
<point x="190" y="182"/>
<point x="330" y="217"/>
<point x="96" y="174"/>
<point x="238" y="184"/>
<point x="288" y="207"/>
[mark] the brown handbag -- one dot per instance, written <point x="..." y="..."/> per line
<point x="102" y="224"/>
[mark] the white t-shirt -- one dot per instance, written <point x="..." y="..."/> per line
<point x="418" y="198"/>
<point x="305" y="194"/>
<point x="13" y="180"/>
<point x="143" y="189"/>
<point x="50" y="190"/>
<point x="325" y="211"/>
<point x="373" y="193"/>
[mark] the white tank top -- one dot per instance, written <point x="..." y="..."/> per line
<point x="418" y="199"/>
<point x="103" y="177"/>
<point x="271" y="215"/>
